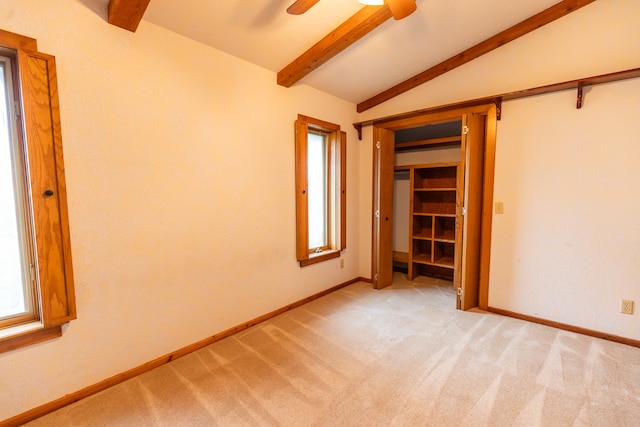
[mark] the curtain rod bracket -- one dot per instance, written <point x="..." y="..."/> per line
<point x="358" y="127"/>
<point x="579" y="101"/>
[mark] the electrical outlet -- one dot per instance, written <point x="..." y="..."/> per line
<point x="499" y="208"/>
<point x="341" y="263"/>
<point x="626" y="306"/>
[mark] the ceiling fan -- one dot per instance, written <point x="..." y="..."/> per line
<point x="399" y="8"/>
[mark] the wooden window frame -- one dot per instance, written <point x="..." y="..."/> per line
<point x="39" y="123"/>
<point x="336" y="204"/>
<point x="328" y="172"/>
<point x="26" y="225"/>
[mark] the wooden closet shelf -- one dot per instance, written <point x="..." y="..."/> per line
<point x="445" y="239"/>
<point x="422" y="236"/>
<point x="446" y="215"/>
<point x="400" y="257"/>
<point x="422" y="259"/>
<point x="435" y="189"/>
<point x="444" y="262"/>
<point x="413" y="145"/>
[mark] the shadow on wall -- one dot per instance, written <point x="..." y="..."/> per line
<point x="99" y="7"/>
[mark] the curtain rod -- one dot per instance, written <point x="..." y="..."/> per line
<point x="578" y="84"/>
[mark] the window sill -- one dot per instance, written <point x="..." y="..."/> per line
<point x="23" y="335"/>
<point x="322" y="256"/>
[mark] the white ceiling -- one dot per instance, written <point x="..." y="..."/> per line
<point x="260" y="31"/>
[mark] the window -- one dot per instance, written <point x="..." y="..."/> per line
<point x="36" y="281"/>
<point x="318" y="154"/>
<point x="16" y="255"/>
<point x="320" y="190"/>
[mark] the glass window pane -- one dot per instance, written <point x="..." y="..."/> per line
<point x="13" y="298"/>
<point x="317" y="181"/>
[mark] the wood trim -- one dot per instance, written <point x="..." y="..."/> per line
<point x="353" y="29"/>
<point x="314" y="123"/>
<point x="487" y="206"/>
<point x="46" y="169"/>
<point x="572" y="84"/>
<point x="323" y="256"/>
<point x="127" y="14"/>
<point x="343" y="190"/>
<point x="460" y="221"/>
<point x="337" y="142"/>
<point x="17" y="41"/>
<point x="29" y="316"/>
<point x="28" y="338"/>
<point x="534" y="22"/>
<point x="332" y="211"/>
<point x="439" y="115"/>
<point x="473" y="187"/>
<point x="445" y="110"/>
<point x="374" y="201"/>
<point x="47" y="408"/>
<point x="566" y="327"/>
<point x="302" y="202"/>
<point x="497" y="99"/>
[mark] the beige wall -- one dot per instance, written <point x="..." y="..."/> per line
<point x="566" y="247"/>
<point x="180" y="175"/>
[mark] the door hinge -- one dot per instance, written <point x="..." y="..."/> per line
<point x="459" y="292"/>
<point x="378" y="145"/>
<point x="375" y="278"/>
<point x="16" y="108"/>
<point x="377" y="214"/>
<point x="32" y="273"/>
<point x="465" y="130"/>
<point x="464" y="210"/>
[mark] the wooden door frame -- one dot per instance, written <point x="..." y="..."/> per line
<point x="487" y="186"/>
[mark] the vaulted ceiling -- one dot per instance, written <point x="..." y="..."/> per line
<point x="360" y="55"/>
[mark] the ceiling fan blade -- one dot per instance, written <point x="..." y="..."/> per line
<point x="301" y="6"/>
<point x="401" y="8"/>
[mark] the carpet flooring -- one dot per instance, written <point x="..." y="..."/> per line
<point x="402" y="356"/>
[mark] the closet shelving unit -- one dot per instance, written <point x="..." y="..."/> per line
<point x="433" y="217"/>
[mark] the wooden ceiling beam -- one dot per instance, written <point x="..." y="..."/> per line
<point x="546" y="16"/>
<point x="364" y="21"/>
<point x="127" y="14"/>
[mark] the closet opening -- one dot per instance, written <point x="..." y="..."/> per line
<point x="433" y="192"/>
<point x="430" y="154"/>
